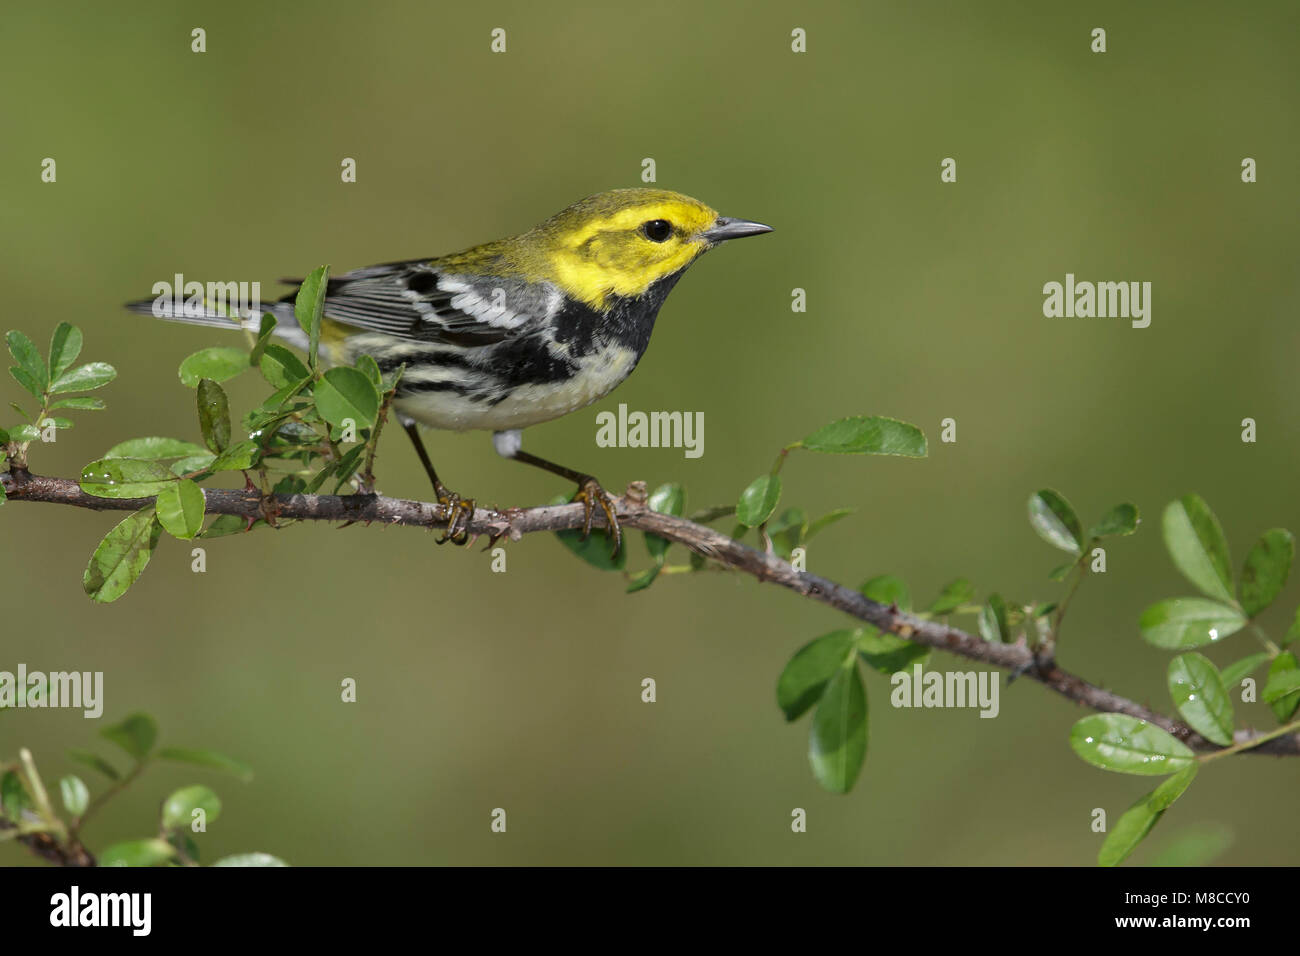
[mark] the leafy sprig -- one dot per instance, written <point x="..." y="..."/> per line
<point x="27" y="809"/>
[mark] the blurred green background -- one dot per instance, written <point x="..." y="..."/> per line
<point x="521" y="690"/>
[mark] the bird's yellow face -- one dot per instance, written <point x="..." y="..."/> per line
<point x="620" y="243"/>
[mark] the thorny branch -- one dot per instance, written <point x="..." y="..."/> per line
<point x="633" y="512"/>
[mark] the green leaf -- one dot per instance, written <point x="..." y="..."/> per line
<point x="237" y="457"/>
<point x="1183" y="623"/>
<point x="23" y="378"/>
<point x="65" y="346"/>
<point x="281" y="367"/>
<point x="122" y="556"/>
<point x="83" y="378"/>
<point x="1119" y="520"/>
<point x="595" y="550"/>
<point x="347" y="393"/>
<point x="12" y="795"/>
<point x="95" y="762"/>
<point x="138" y="853"/>
<point x="1199" y="693"/>
<point x="1055" y="521"/>
<point x="83" y="403"/>
<point x="825" y="521"/>
<point x="1197" y="546"/>
<point x="154" y="449"/>
<point x="864" y="435"/>
<point x="1164" y="796"/>
<point x="786" y="531"/>
<point x="75" y="794"/>
<point x="838" y="741"/>
<point x="265" y="330"/>
<point x="1266" y="570"/>
<point x="214" y="415"/>
<point x="1237" y="671"/>
<point x="193" y="464"/>
<point x="805" y="676"/>
<point x="643" y="579"/>
<point x="954" y="595"/>
<point x="367" y="364"/>
<point x="180" y="509"/>
<point x="178" y="809"/>
<point x="184" y="844"/>
<point x="24" y="433"/>
<point x="889" y="654"/>
<point x="1129" y="830"/>
<point x="309" y="307"/>
<point x="1128" y="745"/>
<point x="250" y="859"/>
<point x="888" y="590"/>
<point x="1283" y="682"/>
<point x="1132" y="828"/>
<point x="993" y="620"/>
<point x="136" y="735"/>
<point x="219" y="363"/>
<point x="669" y="499"/>
<point x="758" y="500"/>
<point x="31" y="372"/>
<point x="1198" y="845"/>
<point x="125" y="478"/>
<point x="224" y="525"/>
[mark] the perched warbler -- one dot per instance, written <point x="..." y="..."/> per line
<point x="513" y="332"/>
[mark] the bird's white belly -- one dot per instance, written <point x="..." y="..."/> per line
<point x="597" y="376"/>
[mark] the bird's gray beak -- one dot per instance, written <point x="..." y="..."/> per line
<point x="726" y="228"/>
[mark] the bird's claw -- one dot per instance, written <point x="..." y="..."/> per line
<point x="590" y="493"/>
<point x="460" y="512"/>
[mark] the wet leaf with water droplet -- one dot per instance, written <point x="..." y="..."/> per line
<point x="1182" y="623"/>
<point x="1128" y="745"/>
<point x="1199" y="693"/>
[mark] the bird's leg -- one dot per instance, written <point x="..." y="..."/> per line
<point x="590" y="493"/>
<point x="460" y="510"/>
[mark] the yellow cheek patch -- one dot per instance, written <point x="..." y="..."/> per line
<point x="608" y="255"/>
<point x="594" y="279"/>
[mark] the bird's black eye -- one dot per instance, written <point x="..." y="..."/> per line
<point x="657" y="230"/>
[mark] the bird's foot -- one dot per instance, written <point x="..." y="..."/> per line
<point x="591" y="494"/>
<point x="460" y="512"/>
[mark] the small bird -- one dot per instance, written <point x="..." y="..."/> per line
<point x="513" y="332"/>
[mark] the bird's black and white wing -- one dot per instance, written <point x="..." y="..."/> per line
<point x="420" y="302"/>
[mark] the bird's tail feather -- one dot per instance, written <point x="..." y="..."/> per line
<point x="189" y="314"/>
